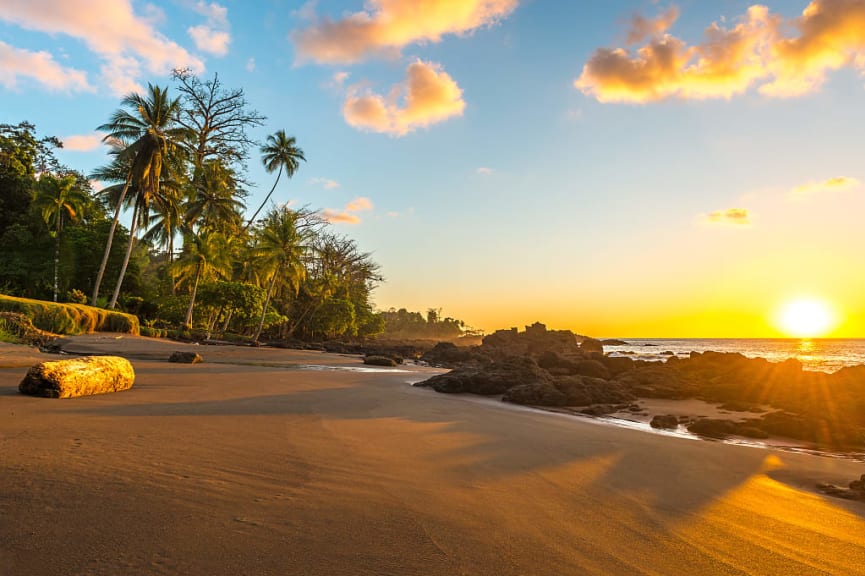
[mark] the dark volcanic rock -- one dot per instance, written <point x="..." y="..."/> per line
<point x="614" y="342"/>
<point x="617" y="364"/>
<point x="713" y="428"/>
<point x="185" y="357"/>
<point x="449" y="354"/>
<point x="592" y="368"/>
<point x="494" y="379"/>
<point x="536" y="394"/>
<point x="591" y="345"/>
<point x="667" y="421"/>
<point x="379" y="361"/>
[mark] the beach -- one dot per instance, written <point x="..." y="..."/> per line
<point x="266" y="461"/>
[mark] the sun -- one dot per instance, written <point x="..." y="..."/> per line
<point x="806" y="318"/>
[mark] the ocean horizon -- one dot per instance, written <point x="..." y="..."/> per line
<point x="816" y="354"/>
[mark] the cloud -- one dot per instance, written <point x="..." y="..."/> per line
<point x="733" y="216"/>
<point x="339" y="78"/>
<point x="82" y="142"/>
<point x="41" y="67"/>
<point x="755" y="52"/>
<point x="326" y="183"/>
<point x="212" y="36"/>
<point x="428" y="96"/>
<point x="125" y="41"/>
<point x="348" y="215"/>
<point x="250" y="65"/>
<point x="837" y="184"/>
<point x="386" y="26"/>
<point x="642" y="27"/>
<point x="484" y="171"/>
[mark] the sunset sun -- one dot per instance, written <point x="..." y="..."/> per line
<point x="806" y="318"/>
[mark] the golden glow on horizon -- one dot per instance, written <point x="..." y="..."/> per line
<point x="806" y="318"/>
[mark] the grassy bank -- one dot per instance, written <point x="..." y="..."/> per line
<point x="70" y="318"/>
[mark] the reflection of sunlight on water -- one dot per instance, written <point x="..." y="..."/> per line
<point x="806" y="346"/>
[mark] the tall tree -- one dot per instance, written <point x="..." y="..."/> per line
<point x="58" y="198"/>
<point x="215" y="200"/>
<point x="150" y="128"/>
<point x="282" y="242"/>
<point x="281" y="152"/>
<point x="205" y="255"/>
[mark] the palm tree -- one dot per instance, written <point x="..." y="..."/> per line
<point x="205" y="255"/>
<point x="282" y="242"/>
<point x="214" y="203"/>
<point x="151" y="131"/>
<point x="56" y="198"/>
<point x="280" y="152"/>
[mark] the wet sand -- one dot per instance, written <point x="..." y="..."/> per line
<point x="247" y="464"/>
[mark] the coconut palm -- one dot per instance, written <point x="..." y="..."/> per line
<point x="280" y="152"/>
<point x="58" y="198"/>
<point x="281" y="244"/>
<point x="206" y="255"/>
<point x="215" y="203"/>
<point x="148" y="133"/>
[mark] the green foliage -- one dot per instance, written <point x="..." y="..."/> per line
<point x="334" y="318"/>
<point x="69" y="318"/>
<point x="76" y="296"/>
<point x="404" y="324"/>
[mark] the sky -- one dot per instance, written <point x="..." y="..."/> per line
<point x="621" y="168"/>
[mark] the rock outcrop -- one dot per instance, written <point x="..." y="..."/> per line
<point x="185" y="357"/>
<point x="78" y="377"/>
<point x="379" y="361"/>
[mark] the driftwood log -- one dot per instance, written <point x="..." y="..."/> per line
<point x="78" y="377"/>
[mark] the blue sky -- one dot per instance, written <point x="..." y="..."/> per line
<point x="608" y="167"/>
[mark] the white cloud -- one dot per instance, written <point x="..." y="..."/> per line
<point x="126" y="42"/>
<point x="250" y="65"/>
<point x="484" y="171"/>
<point x="213" y="36"/>
<point x="41" y="67"/>
<point x="326" y="183"/>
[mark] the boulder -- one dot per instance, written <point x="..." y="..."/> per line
<point x="592" y="368"/>
<point x="712" y="427"/>
<point x="78" y="377"/>
<point x="665" y="422"/>
<point x="535" y="394"/>
<point x="591" y="345"/>
<point x="494" y="379"/>
<point x="185" y="357"/>
<point x="379" y="361"/>
<point x="617" y="364"/>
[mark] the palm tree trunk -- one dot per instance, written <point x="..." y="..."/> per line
<point x="251" y="220"/>
<point x="227" y="321"/>
<point x="132" y="227"/>
<point x="187" y="323"/>
<point x="56" y="256"/>
<point x="109" y="241"/>
<point x="266" y="304"/>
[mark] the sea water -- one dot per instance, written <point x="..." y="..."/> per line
<point x="818" y="354"/>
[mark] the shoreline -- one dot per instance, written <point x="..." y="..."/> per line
<point x="223" y="469"/>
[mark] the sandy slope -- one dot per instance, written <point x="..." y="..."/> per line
<point x="245" y="469"/>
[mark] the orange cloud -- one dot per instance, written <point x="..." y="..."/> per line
<point x="837" y="184"/>
<point x="642" y="27"/>
<point x="82" y="142"/>
<point x="388" y="25"/>
<point x="734" y="216"/>
<point x="830" y="34"/>
<point x="348" y="215"/>
<point x="41" y="67"/>
<point x="125" y="41"/>
<point x="428" y="96"/>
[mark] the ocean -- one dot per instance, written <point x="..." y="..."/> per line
<point x="818" y="354"/>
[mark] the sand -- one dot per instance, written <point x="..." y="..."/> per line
<point x="260" y="468"/>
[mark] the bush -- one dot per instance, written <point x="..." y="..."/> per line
<point x="69" y="318"/>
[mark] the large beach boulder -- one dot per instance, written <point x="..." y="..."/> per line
<point x="78" y="377"/>
<point x="535" y="394"/>
<point x="495" y="379"/>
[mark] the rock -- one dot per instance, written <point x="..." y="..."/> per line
<point x="668" y="353"/>
<point x="666" y="422"/>
<point x="591" y="345"/>
<point x="751" y="432"/>
<point x="535" y="394"/>
<point x="185" y="357"/>
<point x="616" y="365"/>
<point x="599" y="410"/>
<point x="840" y="492"/>
<point x="379" y="361"/>
<point x="614" y="342"/>
<point x="493" y="379"/>
<point x="78" y="377"/>
<point x="712" y="427"/>
<point x="592" y="368"/>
